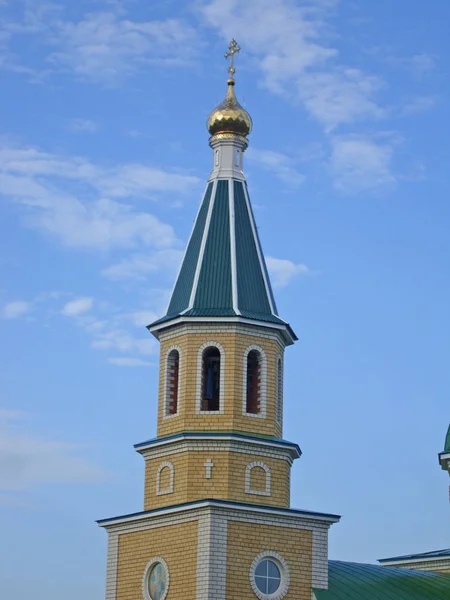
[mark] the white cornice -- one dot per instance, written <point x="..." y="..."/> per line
<point x="210" y="443"/>
<point x="282" y="328"/>
<point x="224" y="505"/>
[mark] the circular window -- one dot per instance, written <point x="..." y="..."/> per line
<point x="269" y="576"/>
<point x="155" y="583"/>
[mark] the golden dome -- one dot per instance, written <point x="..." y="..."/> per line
<point x="229" y="116"/>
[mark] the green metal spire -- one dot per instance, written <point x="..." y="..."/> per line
<point x="223" y="273"/>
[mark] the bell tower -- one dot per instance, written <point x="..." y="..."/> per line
<point x="217" y="522"/>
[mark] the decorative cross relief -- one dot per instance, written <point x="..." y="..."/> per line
<point x="208" y="468"/>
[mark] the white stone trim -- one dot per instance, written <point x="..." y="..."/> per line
<point x="203" y="557"/>
<point x="166" y="383"/>
<point x="169" y="490"/>
<point x="288" y="339"/>
<point x="207" y="443"/>
<point x="198" y="403"/>
<point x="279" y="390"/>
<point x="234" y="288"/>
<point x="263" y="388"/>
<point x="259" y="251"/>
<point x="111" y="566"/>
<point x="208" y="468"/>
<point x="248" y="471"/>
<point x="145" y="577"/>
<point x="202" y="246"/>
<point x="284" y="572"/>
<point x="284" y="517"/>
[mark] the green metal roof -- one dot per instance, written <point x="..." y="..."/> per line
<point x="354" y="581"/>
<point x="434" y="554"/>
<point x="223" y="273"/>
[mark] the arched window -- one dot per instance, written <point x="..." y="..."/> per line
<point x="210" y="393"/>
<point x="253" y="395"/>
<point x="172" y="382"/>
<point x="279" y="404"/>
<point x="255" y="380"/>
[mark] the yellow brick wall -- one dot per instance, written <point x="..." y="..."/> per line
<point x="227" y="481"/>
<point x="247" y="540"/>
<point x="177" y="544"/>
<point x="234" y="345"/>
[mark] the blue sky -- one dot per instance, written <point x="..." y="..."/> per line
<point x="103" y="159"/>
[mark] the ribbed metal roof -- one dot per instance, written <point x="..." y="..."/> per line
<point x="354" y="581"/>
<point x="223" y="273"/>
<point x="434" y="554"/>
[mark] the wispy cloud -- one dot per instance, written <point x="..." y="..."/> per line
<point x="50" y="187"/>
<point x="139" y="266"/>
<point x="283" y="271"/>
<point x="15" y="309"/>
<point x="122" y="361"/>
<point x="112" y="331"/>
<point x="82" y="126"/>
<point x="103" y="46"/>
<point x="281" y="165"/>
<point x="292" y="45"/>
<point x="77" y="307"/>
<point x="418" y="105"/>
<point x="28" y="459"/>
<point x="422" y="64"/>
<point x="361" y="163"/>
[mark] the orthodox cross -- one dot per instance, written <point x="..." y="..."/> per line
<point x="233" y="49"/>
<point x="208" y="466"/>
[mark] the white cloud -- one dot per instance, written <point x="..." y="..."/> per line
<point x="102" y="46"/>
<point x="66" y="198"/>
<point x="281" y="165"/>
<point x="122" y="341"/>
<point x="138" y="266"/>
<point x="113" y="332"/>
<point x="418" y="105"/>
<point x="283" y="271"/>
<point x="82" y="126"/>
<point x="15" y="309"/>
<point x="360" y="163"/>
<point x="142" y="318"/>
<point x="29" y="459"/>
<point x="123" y="361"/>
<point x="77" y="307"/>
<point x="290" y="43"/>
<point x="422" y="64"/>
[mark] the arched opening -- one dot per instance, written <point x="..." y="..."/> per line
<point x="210" y="400"/>
<point x="164" y="478"/>
<point x="172" y="382"/>
<point x="253" y="398"/>
<point x="258" y="479"/>
<point x="279" y="406"/>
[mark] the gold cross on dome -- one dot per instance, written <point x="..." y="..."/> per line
<point x="233" y="49"/>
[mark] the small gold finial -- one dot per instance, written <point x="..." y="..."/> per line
<point x="233" y="49"/>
